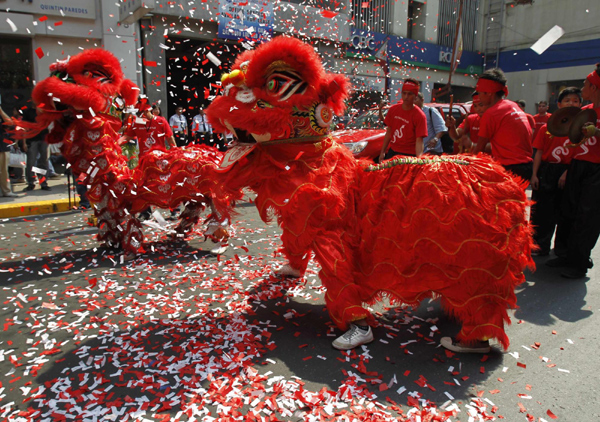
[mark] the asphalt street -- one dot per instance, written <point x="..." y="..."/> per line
<point x="182" y="334"/>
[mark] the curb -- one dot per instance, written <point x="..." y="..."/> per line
<point x="22" y="209"/>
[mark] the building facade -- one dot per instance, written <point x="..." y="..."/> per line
<point x="36" y="33"/>
<point x="176" y="50"/>
<point x="517" y="25"/>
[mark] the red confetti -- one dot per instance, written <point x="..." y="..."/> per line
<point x="39" y="52"/>
<point x="552" y="415"/>
<point x="328" y="13"/>
<point x="149" y="63"/>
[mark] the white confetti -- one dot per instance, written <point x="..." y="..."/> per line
<point x="548" y="39"/>
<point x="13" y="27"/>
<point x="210" y="56"/>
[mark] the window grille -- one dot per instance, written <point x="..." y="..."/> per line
<point x="447" y="23"/>
<point x="372" y="15"/>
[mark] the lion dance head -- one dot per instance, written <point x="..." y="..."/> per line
<point x="90" y="82"/>
<point x="278" y="91"/>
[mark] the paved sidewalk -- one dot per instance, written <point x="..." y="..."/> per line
<point x="38" y="201"/>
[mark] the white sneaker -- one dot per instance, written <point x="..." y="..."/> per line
<point x="458" y="347"/>
<point x="352" y="338"/>
<point x="11" y="195"/>
<point x="288" y="271"/>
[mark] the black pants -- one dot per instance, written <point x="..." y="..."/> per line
<point x="524" y="170"/>
<point x="180" y="139"/>
<point x="579" y="223"/>
<point x="547" y="199"/>
<point x="37" y="155"/>
<point x="391" y="153"/>
<point x="211" y="139"/>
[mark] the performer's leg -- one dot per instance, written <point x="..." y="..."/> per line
<point x="297" y="255"/>
<point x="544" y="212"/>
<point x="569" y="205"/>
<point x="343" y="296"/>
<point x="586" y="225"/>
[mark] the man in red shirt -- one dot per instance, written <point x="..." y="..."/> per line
<point x="151" y="131"/>
<point x="541" y="118"/>
<point x="469" y="126"/>
<point x="550" y="164"/>
<point x="406" y="125"/>
<point x="504" y="126"/>
<point x="578" y="227"/>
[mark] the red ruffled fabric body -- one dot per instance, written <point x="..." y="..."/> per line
<point x="452" y="228"/>
<point x="447" y="227"/>
<point x="179" y="175"/>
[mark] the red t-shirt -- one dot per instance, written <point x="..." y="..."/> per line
<point x="406" y="127"/>
<point x="554" y="148"/>
<point x="151" y="134"/>
<point x="470" y="126"/>
<point x="531" y="121"/>
<point x="508" y="130"/>
<point x="590" y="149"/>
<point x="539" y="122"/>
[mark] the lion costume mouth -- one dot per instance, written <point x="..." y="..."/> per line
<point x="244" y="137"/>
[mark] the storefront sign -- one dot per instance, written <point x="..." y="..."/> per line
<point x="71" y="8"/>
<point x="412" y="52"/>
<point x="366" y="42"/>
<point x="246" y="19"/>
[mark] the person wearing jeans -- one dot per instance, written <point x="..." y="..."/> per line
<point x="5" y="188"/>
<point x="36" y="149"/>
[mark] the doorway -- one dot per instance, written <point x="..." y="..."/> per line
<point x="192" y="78"/>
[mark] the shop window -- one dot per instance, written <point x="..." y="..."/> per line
<point x="16" y="80"/>
<point x="417" y="12"/>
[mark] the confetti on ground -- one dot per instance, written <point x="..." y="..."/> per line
<point x="183" y="334"/>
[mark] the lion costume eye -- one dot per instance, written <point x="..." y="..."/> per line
<point x="285" y="84"/>
<point x="272" y="85"/>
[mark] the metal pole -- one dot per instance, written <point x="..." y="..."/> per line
<point x="69" y="186"/>
<point x="454" y="47"/>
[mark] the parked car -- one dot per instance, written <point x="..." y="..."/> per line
<point x="364" y="134"/>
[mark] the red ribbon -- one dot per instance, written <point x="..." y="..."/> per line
<point x="410" y="86"/>
<point x="594" y="79"/>
<point x="487" y="85"/>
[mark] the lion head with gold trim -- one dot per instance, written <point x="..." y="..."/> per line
<point x="278" y="91"/>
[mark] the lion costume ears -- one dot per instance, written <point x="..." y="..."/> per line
<point x="129" y="92"/>
<point x="334" y="91"/>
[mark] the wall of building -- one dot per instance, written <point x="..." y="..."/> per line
<point x="59" y="32"/>
<point x="141" y="46"/>
<point x="532" y="76"/>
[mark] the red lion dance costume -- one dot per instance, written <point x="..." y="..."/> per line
<point x="81" y="105"/>
<point x="410" y="229"/>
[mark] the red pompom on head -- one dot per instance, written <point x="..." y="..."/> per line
<point x="334" y="91"/>
<point x="129" y="92"/>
